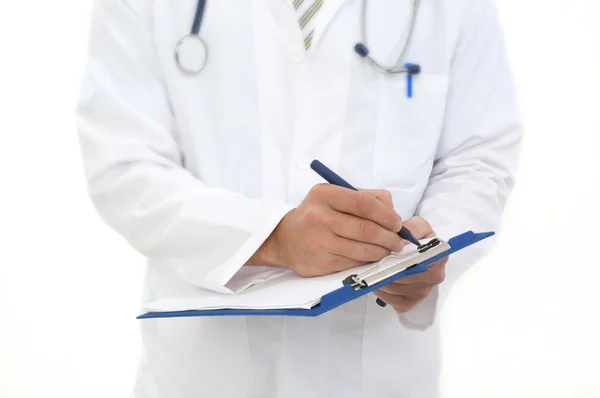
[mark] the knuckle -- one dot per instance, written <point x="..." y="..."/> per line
<point x="311" y="217"/>
<point x="366" y="229"/>
<point x="363" y="203"/>
<point x="318" y="191"/>
<point x="424" y="226"/>
<point x="421" y="220"/>
<point x="387" y="195"/>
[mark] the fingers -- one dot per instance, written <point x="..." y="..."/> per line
<point x="360" y="251"/>
<point x="406" y="293"/>
<point x="339" y="263"/>
<point x="404" y="297"/>
<point x="360" y="204"/>
<point x="361" y="230"/>
<point x="414" y="292"/>
<point x="419" y="227"/>
<point x="336" y="228"/>
<point x="435" y="274"/>
<point x="399" y="303"/>
<point x="381" y="195"/>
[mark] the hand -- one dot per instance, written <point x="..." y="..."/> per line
<point x="332" y="230"/>
<point x="404" y="294"/>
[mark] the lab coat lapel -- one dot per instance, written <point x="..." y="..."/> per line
<point x="328" y="11"/>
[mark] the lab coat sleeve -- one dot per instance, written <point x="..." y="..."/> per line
<point x="134" y="167"/>
<point x="477" y="155"/>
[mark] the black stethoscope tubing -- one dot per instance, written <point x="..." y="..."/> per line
<point x="198" y="17"/>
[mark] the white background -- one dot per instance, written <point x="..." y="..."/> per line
<point x="524" y="323"/>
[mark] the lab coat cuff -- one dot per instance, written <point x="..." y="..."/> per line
<point x="217" y="279"/>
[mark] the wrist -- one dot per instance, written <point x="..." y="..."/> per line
<point x="269" y="253"/>
<point x="265" y="255"/>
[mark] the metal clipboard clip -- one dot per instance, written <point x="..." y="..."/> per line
<point x="406" y="261"/>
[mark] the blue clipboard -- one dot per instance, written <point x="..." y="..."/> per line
<point x="336" y="298"/>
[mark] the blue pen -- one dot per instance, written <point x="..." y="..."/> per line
<point x="335" y="179"/>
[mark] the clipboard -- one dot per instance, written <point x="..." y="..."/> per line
<point x="356" y="285"/>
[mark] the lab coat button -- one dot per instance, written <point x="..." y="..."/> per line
<point x="298" y="55"/>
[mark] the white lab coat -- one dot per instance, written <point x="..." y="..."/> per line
<point x="195" y="172"/>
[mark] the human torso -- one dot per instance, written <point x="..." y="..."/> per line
<point x="251" y="122"/>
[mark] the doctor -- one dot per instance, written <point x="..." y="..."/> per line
<point x="198" y="121"/>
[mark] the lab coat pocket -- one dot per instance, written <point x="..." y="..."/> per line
<point x="408" y="130"/>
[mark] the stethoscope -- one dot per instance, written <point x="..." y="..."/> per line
<point x="191" y="52"/>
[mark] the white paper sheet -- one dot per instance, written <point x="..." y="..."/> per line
<point x="268" y="288"/>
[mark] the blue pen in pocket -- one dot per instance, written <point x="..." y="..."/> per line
<point x="411" y="70"/>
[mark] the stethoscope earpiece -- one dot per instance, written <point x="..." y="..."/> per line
<point x="413" y="69"/>
<point x="361" y="50"/>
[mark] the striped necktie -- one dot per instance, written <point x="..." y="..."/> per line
<point x="307" y="10"/>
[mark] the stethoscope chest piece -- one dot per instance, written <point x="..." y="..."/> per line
<point x="191" y="54"/>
